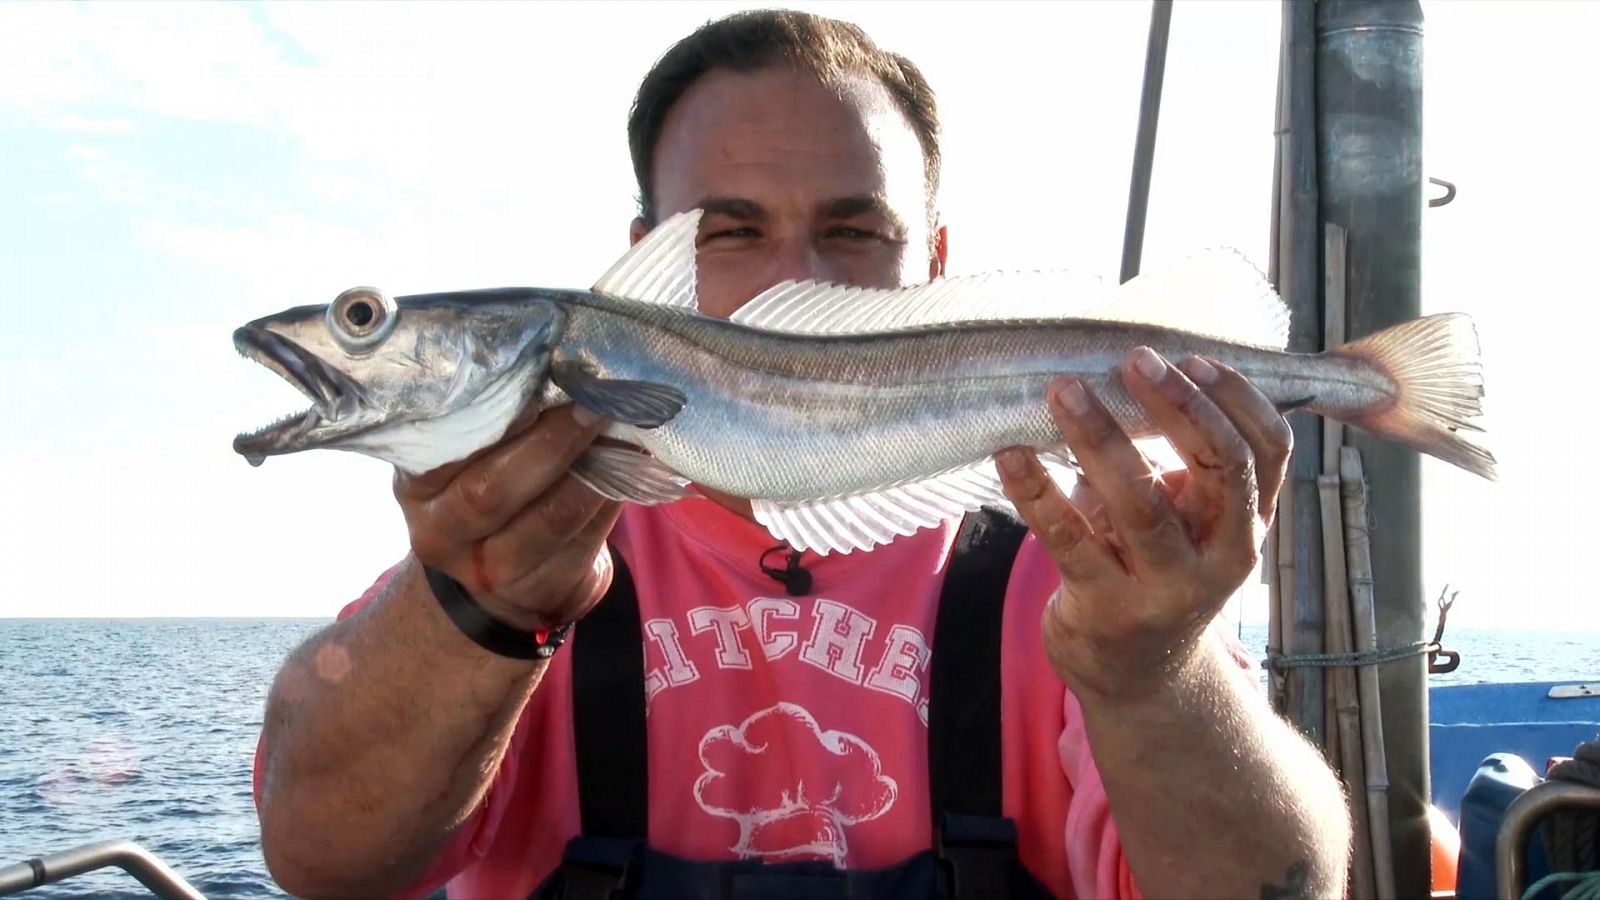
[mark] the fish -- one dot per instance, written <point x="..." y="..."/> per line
<point x="848" y="416"/>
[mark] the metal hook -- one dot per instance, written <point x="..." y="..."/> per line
<point x="1449" y="192"/>
<point x="1442" y="659"/>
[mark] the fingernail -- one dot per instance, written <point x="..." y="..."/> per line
<point x="1071" y="397"/>
<point x="1013" y="463"/>
<point x="1200" y="371"/>
<point x="584" y="416"/>
<point x="1148" y="364"/>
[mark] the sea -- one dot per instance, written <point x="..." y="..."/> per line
<point x="145" y="730"/>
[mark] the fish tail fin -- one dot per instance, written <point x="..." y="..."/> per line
<point x="1433" y="362"/>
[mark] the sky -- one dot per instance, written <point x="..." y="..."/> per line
<point x="170" y="171"/>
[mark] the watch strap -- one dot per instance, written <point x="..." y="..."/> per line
<point x="487" y="631"/>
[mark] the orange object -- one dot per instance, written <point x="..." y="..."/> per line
<point x="1445" y="843"/>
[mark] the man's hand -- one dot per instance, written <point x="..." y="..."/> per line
<point x="1170" y="721"/>
<point x="1145" y="572"/>
<point x="514" y="526"/>
<point x="365" y="774"/>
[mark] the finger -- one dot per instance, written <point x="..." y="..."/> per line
<point x="483" y="497"/>
<point x="1261" y="424"/>
<point x="534" y="534"/>
<point x="575" y="575"/>
<point x="1140" y="512"/>
<point x="1221" y="485"/>
<point x="1088" y="502"/>
<point x="1059" y="525"/>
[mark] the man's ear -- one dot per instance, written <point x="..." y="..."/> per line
<point x="637" y="230"/>
<point x="941" y="251"/>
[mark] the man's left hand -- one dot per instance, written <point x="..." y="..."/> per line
<point x="1153" y="558"/>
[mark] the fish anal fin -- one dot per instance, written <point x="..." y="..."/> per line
<point x="865" y="520"/>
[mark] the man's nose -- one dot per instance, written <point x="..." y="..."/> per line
<point x="798" y="260"/>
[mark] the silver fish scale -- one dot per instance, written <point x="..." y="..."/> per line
<point x="788" y="417"/>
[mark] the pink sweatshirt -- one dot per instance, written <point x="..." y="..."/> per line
<point x="788" y="728"/>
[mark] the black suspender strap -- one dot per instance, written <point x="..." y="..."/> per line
<point x="964" y="686"/>
<point x="608" y="724"/>
<point x="976" y="845"/>
<point x="608" y="717"/>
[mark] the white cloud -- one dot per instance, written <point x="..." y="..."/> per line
<point x="76" y="124"/>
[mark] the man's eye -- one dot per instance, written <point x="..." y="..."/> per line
<point x="744" y="231"/>
<point x="852" y="234"/>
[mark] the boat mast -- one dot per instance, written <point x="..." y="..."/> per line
<point x="1144" y="148"/>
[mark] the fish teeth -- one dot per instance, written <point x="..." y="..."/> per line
<point x="285" y="419"/>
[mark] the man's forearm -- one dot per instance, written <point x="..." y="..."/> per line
<point x="381" y="736"/>
<point x="1214" y="796"/>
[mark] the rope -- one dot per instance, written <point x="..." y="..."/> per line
<point x="1585" y="885"/>
<point x="1572" y="837"/>
<point x="1335" y="660"/>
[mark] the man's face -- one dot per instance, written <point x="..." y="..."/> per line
<point x="798" y="181"/>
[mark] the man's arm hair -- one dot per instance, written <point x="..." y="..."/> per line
<point x="382" y="735"/>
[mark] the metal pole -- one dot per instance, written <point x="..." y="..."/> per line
<point x="1144" y="150"/>
<point x="126" y="855"/>
<point x="1369" y="132"/>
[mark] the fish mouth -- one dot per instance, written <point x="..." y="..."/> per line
<point x="334" y="395"/>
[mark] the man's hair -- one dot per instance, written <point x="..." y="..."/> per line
<point x="760" y="39"/>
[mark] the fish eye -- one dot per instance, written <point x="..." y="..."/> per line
<point x="361" y="318"/>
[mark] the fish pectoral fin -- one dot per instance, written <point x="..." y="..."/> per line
<point x="628" y="474"/>
<point x="642" y="404"/>
<point x="1291" y="405"/>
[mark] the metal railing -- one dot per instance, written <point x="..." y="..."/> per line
<point x="125" y="855"/>
<point x="1521" y="817"/>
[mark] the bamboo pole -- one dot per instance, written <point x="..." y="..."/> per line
<point x="1299" y="273"/>
<point x="1269" y="570"/>
<point x="1286" y="605"/>
<point x="1269" y="565"/>
<point x="1357" y="541"/>
<point x="1344" y="705"/>
<point x="1335" y="242"/>
<point x="1346" y="700"/>
<point x="1336" y="603"/>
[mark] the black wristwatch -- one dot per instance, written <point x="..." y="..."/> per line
<point x="485" y="630"/>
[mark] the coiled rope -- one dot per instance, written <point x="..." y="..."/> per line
<point x="1572" y="836"/>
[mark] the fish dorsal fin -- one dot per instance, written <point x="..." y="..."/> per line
<point x="1217" y="293"/>
<point x="814" y="307"/>
<point x="660" y="268"/>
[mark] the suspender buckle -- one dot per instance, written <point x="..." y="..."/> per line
<point x="598" y="868"/>
<point x="977" y="854"/>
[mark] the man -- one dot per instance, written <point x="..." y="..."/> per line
<point x="397" y="753"/>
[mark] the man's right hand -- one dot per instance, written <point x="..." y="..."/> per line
<point x="370" y="760"/>
<point x="514" y="526"/>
